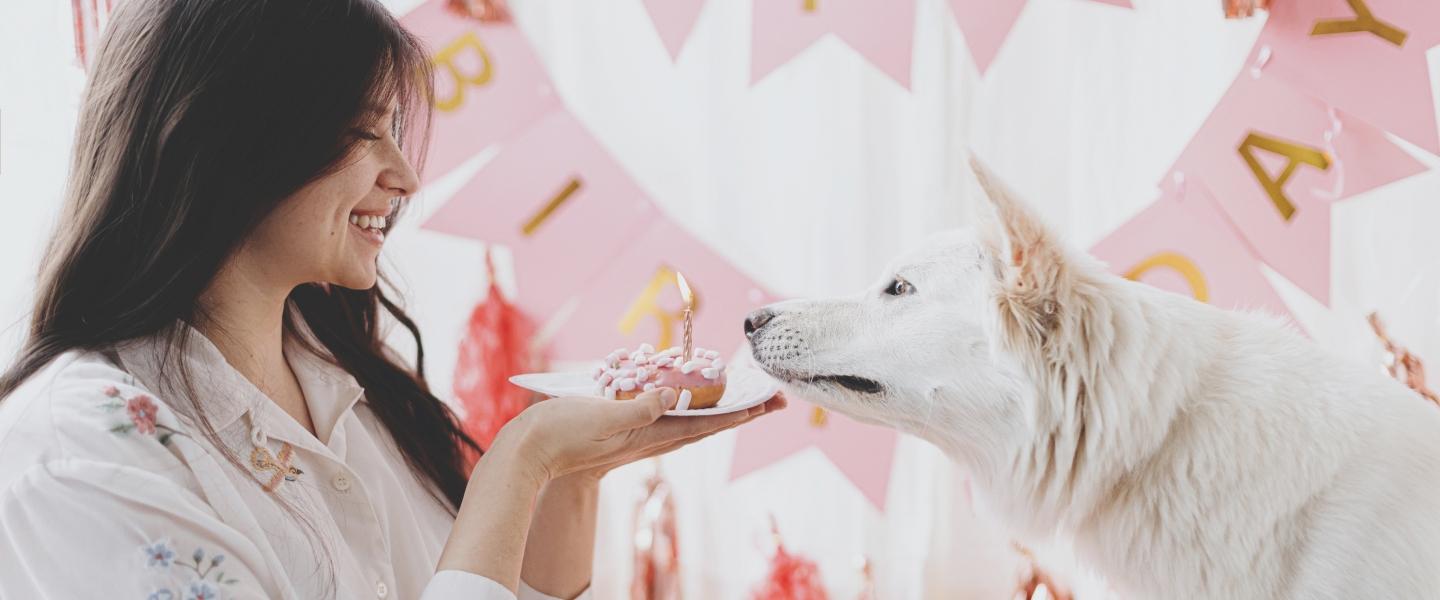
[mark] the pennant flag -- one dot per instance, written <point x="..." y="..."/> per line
<point x="635" y="299"/>
<point x="1364" y="57"/>
<point x="674" y="20"/>
<point x="1275" y="159"/>
<point x="880" y="30"/>
<point x="562" y="205"/>
<point x="489" y="84"/>
<point x="1183" y="244"/>
<point x="864" y="453"/>
<point x="985" y="25"/>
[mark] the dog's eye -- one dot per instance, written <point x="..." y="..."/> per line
<point x="899" y="287"/>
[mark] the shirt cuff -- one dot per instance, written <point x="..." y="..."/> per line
<point x="454" y="584"/>
<point x="529" y="593"/>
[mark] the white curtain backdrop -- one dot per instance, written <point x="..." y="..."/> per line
<point x="810" y="181"/>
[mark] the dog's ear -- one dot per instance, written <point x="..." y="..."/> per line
<point x="1032" y="260"/>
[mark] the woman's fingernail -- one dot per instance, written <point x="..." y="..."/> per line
<point x="669" y="397"/>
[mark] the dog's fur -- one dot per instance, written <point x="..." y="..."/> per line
<point x="1189" y="452"/>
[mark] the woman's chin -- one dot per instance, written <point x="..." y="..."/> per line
<point x="359" y="279"/>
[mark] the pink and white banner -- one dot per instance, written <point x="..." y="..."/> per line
<point x="880" y="30"/>
<point x="1364" y="57"/>
<point x="563" y="206"/>
<point x="1275" y="159"/>
<point x="489" y="84"/>
<point x="864" y="453"/>
<point x="674" y="20"/>
<point x="635" y="298"/>
<point x="1183" y="244"/>
<point x="986" y="23"/>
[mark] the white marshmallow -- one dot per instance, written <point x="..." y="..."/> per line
<point x="647" y="348"/>
<point x="649" y="386"/>
<point x="609" y="393"/>
<point x="710" y="373"/>
<point x="685" y="397"/>
<point x="626" y="385"/>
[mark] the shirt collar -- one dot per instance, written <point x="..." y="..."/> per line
<point x="224" y="394"/>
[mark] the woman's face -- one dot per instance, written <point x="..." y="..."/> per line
<point x="330" y="231"/>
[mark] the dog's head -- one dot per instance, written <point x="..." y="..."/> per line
<point x="947" y="341"/>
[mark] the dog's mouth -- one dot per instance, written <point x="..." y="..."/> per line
<point x="850" y="382"/>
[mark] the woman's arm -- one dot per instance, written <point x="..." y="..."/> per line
<point x="488" y="537"/>
<point x="561" y="548"/>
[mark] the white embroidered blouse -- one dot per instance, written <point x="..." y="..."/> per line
<point x="99" y="467"/>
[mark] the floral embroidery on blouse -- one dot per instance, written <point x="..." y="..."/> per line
<point x="203" y="586"/>
<point x="142" y="415"/>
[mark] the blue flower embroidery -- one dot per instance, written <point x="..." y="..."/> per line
<point x="201" y="590"/>
<point x="207" y="580"/>
<point x="158" y="554"/>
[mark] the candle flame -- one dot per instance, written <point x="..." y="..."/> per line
<point x="685" y="293"/>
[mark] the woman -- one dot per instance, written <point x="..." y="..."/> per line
<point x="204" y="406"/>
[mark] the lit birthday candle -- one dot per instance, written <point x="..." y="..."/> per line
<point x="689" y="298"/>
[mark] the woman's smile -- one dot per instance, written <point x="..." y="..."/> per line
<point x="370" y="225"/>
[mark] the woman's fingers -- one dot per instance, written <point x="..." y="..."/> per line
<point x="643" y="410"/>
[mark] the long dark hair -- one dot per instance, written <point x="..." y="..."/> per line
<point x="199" y="117"/>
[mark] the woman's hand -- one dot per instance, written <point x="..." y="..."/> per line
<point x="563" y="436"/>
<point x="552" y="439"/>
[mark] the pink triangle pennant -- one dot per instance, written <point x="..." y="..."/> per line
<point x="882" y="31"/>
<point x="489" y="84"/>
<point x="864" y="453"/>
<point x="985" y="25"/>
<point x="559" y="201"/>
<point x="1183" y="244"/>
<point x="674" y="20"/>
<point x="1364" y="57"/>
<point x="1275" y="159"/>
<point x="634" y="299"/>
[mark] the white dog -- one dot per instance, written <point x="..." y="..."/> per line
<point x="1187" y="451"/>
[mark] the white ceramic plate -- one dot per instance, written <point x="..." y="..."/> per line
<point x="744" y="387"/>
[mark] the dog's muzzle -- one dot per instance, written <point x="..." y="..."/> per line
<point x="757" y="321"/>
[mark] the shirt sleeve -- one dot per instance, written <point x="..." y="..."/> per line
<point x="455" y="584"/>
<point x="528" y="593"/>
<point x="78" y="528"/>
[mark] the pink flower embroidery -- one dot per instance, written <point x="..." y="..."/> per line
<point x="112" y="391"/>
<point x="142" y="412"/>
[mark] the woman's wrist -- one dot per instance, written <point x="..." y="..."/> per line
<point x="514" y="446"/>
<point x="489" y="534"/>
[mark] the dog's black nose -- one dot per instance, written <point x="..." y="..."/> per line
<point x="756" y="320"/>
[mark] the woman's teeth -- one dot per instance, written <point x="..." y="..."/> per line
<point x="368" y="222"/>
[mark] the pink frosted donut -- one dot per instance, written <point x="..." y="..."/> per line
<point x="700" y="381"/>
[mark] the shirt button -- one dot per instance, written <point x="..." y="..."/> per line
<point x="340" y="482"/>
<point x="381" y="590"/>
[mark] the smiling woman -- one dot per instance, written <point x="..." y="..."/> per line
<point x="204" y="379"/>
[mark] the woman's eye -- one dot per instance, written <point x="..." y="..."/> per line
<point x="366" y="135"/>
<point x="899" y="287"/>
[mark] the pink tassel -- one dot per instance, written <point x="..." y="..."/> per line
<point x="657" y="549"/>
<point x="792" y="577"/>
<point x="496" y="347"/>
